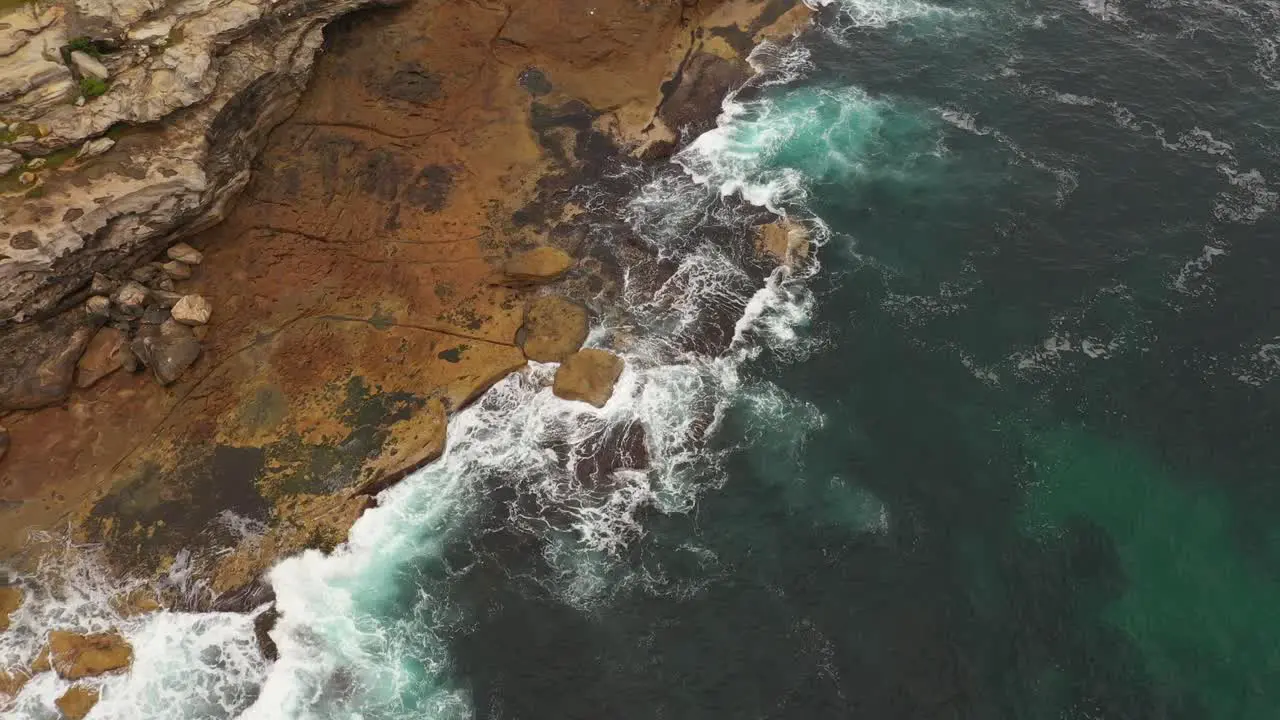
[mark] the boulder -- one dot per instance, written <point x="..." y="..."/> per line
<point x="177" y="270"/>
<point x="9" y="161"/>
<point x="10" y="596"/>
<point x="11" y="683"/>
<point x="74" y="656"/>
<point x="101" y="357"/>
<point x="588" y="376"/>
<point x="192" y="310"/>
<point x="102" y="285"/>
<point x="539" y="265"/>
<point x="98" y="305"/>
<point x="168" y="349"/>
<point x="76" y="702"/>
<point x="786" y="241"/>
<point x="554" y="327"/>
<point x="184" y="253"/>
<point x="38" y="361"/>
<point x="263" y="624"/>
<point x="132" y="298"/>
<point x="88" y="65"/>
<point x="94" y="148"/>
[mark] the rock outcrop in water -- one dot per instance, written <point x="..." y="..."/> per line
<point x="384" y="265"/>
<point x="74" y="656"/>
<point x="588" y="376"/>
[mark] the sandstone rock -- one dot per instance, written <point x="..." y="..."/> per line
<point x="542" y="264"/>
<point x="4" y="448"/>
<point x="9" y="161"/>
<point x="785" y="240"/>
<point x="184" y="253"/>
<point x="77" y="701"/>
<point x="74" y="656"/>
<point x="588" y="376"/>
<point x="88" y="65"/>
<point x="11" y="683"/>
<point x="99" y="305"/>
<point x="192" y="310"/>
<point x="101" y="358"/>
<point x="169" y="350"/>
<point x="132" y="298"/>
<point x="10" y="595"/>
<point x="38" y="362"/>
<point x="177" y="270"/>
<point x="554" y="327"/>
<point x="37" y="164"/>
<point x="94" y="148"/>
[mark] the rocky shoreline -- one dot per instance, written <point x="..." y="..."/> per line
<point x="406" y="238"/>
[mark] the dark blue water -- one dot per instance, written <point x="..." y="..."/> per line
<point x="1020" y="460"/>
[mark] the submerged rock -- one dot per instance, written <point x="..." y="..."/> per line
<point x="588" y="376"/>
<point x="539" y="265"/>
<point x="74" y="656"/>
<point x="554" y="328"/>
<point x="262" y="627"/>
<point x="77" y="701"/>
<point x="11" y="683"/>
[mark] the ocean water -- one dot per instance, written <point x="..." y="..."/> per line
<point x="1004" y="447"/>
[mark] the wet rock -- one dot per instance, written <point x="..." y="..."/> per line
<point x="74" y="656"/>
<point x="539" y="265"/>
<point x="702" y="82"/>
<point x="619" y="446"/>
<point x="262" y="626"/>
<point x="89" y="66"/>
<point x="10" y="595"/>
<point x="554" y="328"/>
<point x="413" y="84"/>
<point x="101" y="358"/>
<point x="588" y="376"/>
<point x="184" y="253"/>
<point x="168" y="350"/>
<point x="98" y="305"/>
<point x="4" y="448"/>
<point x="177" y="270"/>
<point x="131" y="298"/>
<point x="9" y="161"/>
<point x="77" y="701"/>
<point x="38" y="362"/>
<point x="11" y="683"/>
<point x="192" y="310"/>
<point x="785" y="240"/>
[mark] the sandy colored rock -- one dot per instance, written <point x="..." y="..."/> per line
<point x="131" y="298"/>
<point x="94" y="148"/>
<point x="184" y="253"/>
<point x="11" y="683"/>
<point x="76" y="702"/>
<point x="192" y="310"/>
<point x="554" y="328"/>
<point x="99" y="305"/>
<point x="542" y="264"/>
<point x="9" y="161"/>
<point x="784" y="240"/>
<point x="588" y="376"/>
<point x="74" y="656"/>
<point x="88" y="66"/>
<point x="101" y="357"/>
<point x="10" y="598"/>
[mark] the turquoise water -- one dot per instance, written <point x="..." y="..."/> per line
<point x="1003" y="449"/>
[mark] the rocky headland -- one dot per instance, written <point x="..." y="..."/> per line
<point x="252" y="255"/>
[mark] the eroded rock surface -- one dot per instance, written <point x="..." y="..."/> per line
<point x="588" y="376"/>
<point x="554" y="328"/>
<point x="76" y="702"/>
<point x="74" y="656"/>
<point x="10" y="600"/>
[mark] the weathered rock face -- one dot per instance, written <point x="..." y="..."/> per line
<point x="74" y="656"/>
<point x="220" y="76"/>
<point x="77" y="701"/>
<point x="38" y="362"/>
<point x="588" y="376"/>
<point x="101" y="358"/>
<point x="554" y="328"/>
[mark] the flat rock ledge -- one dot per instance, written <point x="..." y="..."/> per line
<point x="85" y="188"/>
